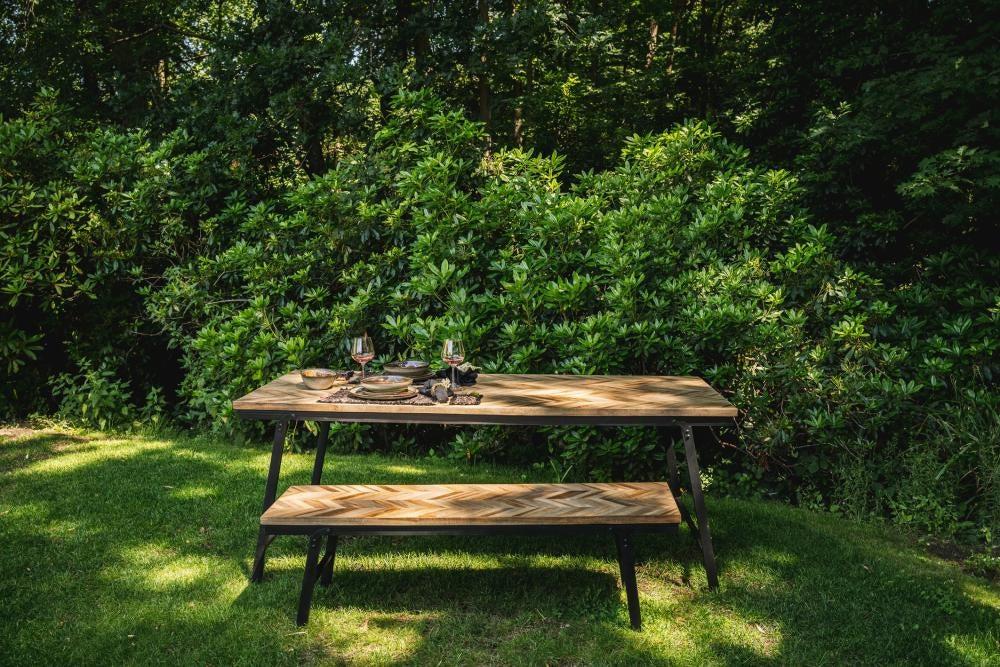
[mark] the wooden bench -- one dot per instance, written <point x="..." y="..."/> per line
<point x="330" y="511"/>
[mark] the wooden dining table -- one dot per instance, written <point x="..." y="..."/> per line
<point x="670" y="403"/>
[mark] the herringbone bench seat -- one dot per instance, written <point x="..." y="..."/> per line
<point x="620" y="508"/>
<point x="474" y="504"/>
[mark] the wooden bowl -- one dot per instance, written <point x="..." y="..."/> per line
<point x="386" y="383"/>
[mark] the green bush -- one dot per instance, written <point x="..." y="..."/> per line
<point x="96" y="396"/>
<point x="856" y="394"/>
<point x="684" y="258"/>
<point x="87" y="216"/>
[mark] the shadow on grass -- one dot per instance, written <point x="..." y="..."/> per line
<point x="23" y="447"/>
<point x="126" y="550"/>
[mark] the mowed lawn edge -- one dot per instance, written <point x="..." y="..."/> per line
<point x="136" y="549"/>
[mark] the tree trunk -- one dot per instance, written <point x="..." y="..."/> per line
<point x="705" y="41"/>
<point x="518" y="114"/>
<point x="680" y="10"/>
<point x="517" y="88"/>
<point x="422" y="39"/>
<point x="312" y="128"/>
<point x="404" y="10"/>
<point x="654" y="33"/>
<point x="485" y="114"/>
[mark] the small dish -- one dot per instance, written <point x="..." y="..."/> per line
<point x="361" y="392"/>
<point x="382" y="384"/>
<point x="319" y="378"/>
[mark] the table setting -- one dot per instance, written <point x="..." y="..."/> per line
<point x="401" y="382"/>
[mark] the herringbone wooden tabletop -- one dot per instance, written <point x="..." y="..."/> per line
<point x="513" y="399"/>
<point x="473" y="504"/>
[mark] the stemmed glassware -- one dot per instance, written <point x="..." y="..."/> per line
<point x="453" y="353"/>
<point x="362" y="351"/>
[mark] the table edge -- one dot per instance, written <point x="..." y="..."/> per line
<point x="478" y="414"/>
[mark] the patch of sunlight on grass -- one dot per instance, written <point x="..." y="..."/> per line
<point x="391" y="561"/>
<point x="355" y="636"/>
<point x="193" y="493"/>
<point x="405" y="470"/>
<point x="184" y="570"/>
<point x="665" y="632"/>
<point x="568" y="562"/>
<point x="63" y="528"/>
<point x="256" y="462"/>
<point x="762" y="639"/>
<point x="151" y="557"/>
<point x="975" y="650"/>
<point x="146" y="554"/>
<point x="104" y="451"/>
<point x="677" y="622"/>
<point x="24" y="511"/>
<point x="291" y="563"/>
<point x="161" y="569"/>
<point x="782" y="557"/>
<point x="982" y="594"/>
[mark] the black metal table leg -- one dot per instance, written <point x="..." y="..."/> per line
<point x="270" y="491"/>
<point x="704" y="536"/>
<point x="324" y="433"/>
<point x="309" y="578"/>
<point x="675" y="484"/>
<point x="626" y="566"/>
<point x="674" y="478"/>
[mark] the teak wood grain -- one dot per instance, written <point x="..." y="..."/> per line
<point x="512" y="399"/>
<point x="474" y="504"/>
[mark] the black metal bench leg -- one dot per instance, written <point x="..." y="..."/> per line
<point x="309" y="578"/>
<point x="704" y="536"/>
<point x="326" y="565"/>
<point x="270" y="491"/>
<point x="324" y="433"/>
<point x="626" y="565"/>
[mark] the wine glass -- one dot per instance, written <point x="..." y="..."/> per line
<point x="362" y="351"/>
<point x="453" y="353"/>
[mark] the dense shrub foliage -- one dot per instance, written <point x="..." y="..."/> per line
<point x="196" y="197"/>
<point x="684" y="258"/>
<point x="86" y="214"/>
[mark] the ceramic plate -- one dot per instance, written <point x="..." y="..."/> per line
<point x="392" y="384"/>
<point x="361" y="392"/>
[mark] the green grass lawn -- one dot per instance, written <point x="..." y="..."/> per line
<point x="136" y="550"/>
